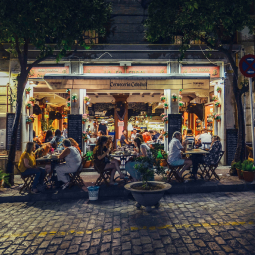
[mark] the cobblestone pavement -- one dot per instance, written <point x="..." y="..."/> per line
<point x="216" y="223"/>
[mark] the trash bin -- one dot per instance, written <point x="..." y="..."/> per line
<point x="93" y="192"/>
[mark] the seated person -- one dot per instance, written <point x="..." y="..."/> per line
<point x="56" y="141"/>
<point x="142" y="151"/>
<point x="205" y="137"/>
<point x="102" y="161"/>
<point x="48" y="136"/>
<point x="27" y="166"/>
<point x="123" y="139"/>
<point x="189" y="138"/>
<point x="209" y="159"/>
<point x="74" y="144"/>
<point x="174" y="154"/>
<point x="72" y="161"/>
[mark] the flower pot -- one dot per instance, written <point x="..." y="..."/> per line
<point x="147" y="198"/>
<point x="239" y="173"/>
<point x="85" y="102"/>
<point x="174" y="99"/>
<point x="86" y="164"/>
<point x="166" y="136"/>
<point x="163" y="100"/>
<point x="166" y="108"/>
<point x="27" y="92"/>
<point x="166" y="122"/>
<point x="68" y="92"/>
<point x="163" y="162"/>
<point x="218" y="105"/>
<point x="83" y="122"/>
<point x="27" y="107"/>
<point x="28" y="122"/>
<point x="248" y="176"/>
<point x="74" y="100"/>
<point x="218" y="120"/>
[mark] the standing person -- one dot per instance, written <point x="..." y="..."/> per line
<point x="133" y="135"/>
<point x="123" y="139"/>
<point x="174" y="154"/>
<point x="93" y="130"/>
<point x="56" y="141"/>
<point x="27" y="166"/>
<point x="103" y="127"/>
<point x="205" y="137"/>
<point x="184" y="133"/>
<point x="88" y="129"/>
<point x="65" y="135"/>
<point x="73" y="160"/>
<point x="190" y="139"/>
<point x="146" y="136"/>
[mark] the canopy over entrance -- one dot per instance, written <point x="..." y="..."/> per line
<point x="128" y="81"/>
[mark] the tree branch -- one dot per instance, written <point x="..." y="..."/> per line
<point x="30" y="66"/>
<point x="18" y="49"/>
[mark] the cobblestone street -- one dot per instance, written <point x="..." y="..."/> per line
<point x="216" y="223"/>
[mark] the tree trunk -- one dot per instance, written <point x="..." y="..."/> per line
<point x="22" y="79"/>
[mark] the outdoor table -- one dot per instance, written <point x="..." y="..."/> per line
<point x="196" y="152"/>
<point x="123" y="156"/>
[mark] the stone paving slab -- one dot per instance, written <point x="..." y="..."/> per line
<point x="226" y="184"/>
<point x="214" y="223"/>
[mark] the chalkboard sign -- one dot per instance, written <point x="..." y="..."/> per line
<point x="75" y="128"/>
<point x="231" y="144"/>
<point x="174" y="124"/>
<point x="9" y="125"/>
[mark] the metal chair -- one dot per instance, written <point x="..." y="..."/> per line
<point x="209" y="170"/>
<point x="75" y="178"/>
<point x="105" y="175"/>
<point x="173" y="172"/>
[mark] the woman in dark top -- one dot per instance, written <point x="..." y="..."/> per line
<point x="48" y="136"/>
<point x="102" y="161"/>
<point x="211" y="158"/>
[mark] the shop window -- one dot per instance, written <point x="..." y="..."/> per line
<point x="91" y="37"/>
<point x="178" y="40"/>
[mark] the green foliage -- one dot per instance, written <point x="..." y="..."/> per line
<point x="47" y="125"/>
<point x="4" y="177"/>
<point x="159" y="156"/>
<point x="145" y="167"/>
<point x="213" y="22"/>
<point x="237" y="165"/>
<point x="88" y="156"/>
<point x="247" y="165"/>
<point x="50" y="25"/>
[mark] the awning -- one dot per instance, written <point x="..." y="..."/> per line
<point x="128" y="81"/>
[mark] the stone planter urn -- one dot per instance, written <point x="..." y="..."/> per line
<point x="147" y="198"/>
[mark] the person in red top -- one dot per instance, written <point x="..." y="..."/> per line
<point x="146" y="136"/>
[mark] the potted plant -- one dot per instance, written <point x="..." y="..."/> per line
<point x="28" y="105"/>
<point x="68" y="104"/>
<point x="84" y="118"/>
<point x="32" y="100"/>
<point x="238" y="167"/>
<point x="28" y="120"/>
<point x="166" y="106"/>
<point x="214" y="98"/>
<point x="165" y="119"/>
<point x="165" y="134"/>
<point x="87" y="158"/>
<point x="68" y="91"/>
<point x="217" y="117"/>
<point x="174" y="97"/>
<point x="85" y="136"/>
<point x="74" y="98"/>
<point x="180" y="91"/>
<point x="248" y="170"/>
<point x="218" y="89"/>
<point x="218" y="104"/>
<point x="181" y="104"/>
<point x="86" y="99"/>
<point x="4" y="179"/>
<point x="163" y="99"/>
<point x="27" y="91"/>
<point x="160" y="158"/>
<point x="146" y="192"/>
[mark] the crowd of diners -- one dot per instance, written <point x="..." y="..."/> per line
<point x="46" y="143"/>
<point x="206" y="141"/>
<point x="68" y="149"/>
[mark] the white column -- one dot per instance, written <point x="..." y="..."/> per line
<point x="82" y="110"/>
<point x="167" y="94"/>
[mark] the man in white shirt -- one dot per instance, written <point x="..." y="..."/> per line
<point x="174" y="155"/>
<point x="205" y="137"/>
<point x="133" y="135"/>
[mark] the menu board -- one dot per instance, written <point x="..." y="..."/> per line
<point x="75" y="128"/>
<point x="174" y="124"/>
<point x="231" y="144"/>
<point x="9" y="125"/>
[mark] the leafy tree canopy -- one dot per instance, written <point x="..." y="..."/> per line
<point x="50" y="24"/>
<point x="213" y="22"/>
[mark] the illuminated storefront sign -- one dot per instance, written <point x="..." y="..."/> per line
<point x="214" y="71"/>
<point x="126" y="84"/>
<point x="39" y="72"/>
<point x="122" y="69"/>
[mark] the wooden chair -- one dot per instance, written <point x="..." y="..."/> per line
<point x="105" y="175"/>
<point x="174" y="173"/>
<point x="75" y="178"/>
<point x="27" y="180"/>
<point x="209" y="170"/>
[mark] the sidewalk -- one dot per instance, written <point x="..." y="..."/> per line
<point x="226" y="184"/>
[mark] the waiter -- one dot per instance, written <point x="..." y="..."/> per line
<point x="103" y="127"/>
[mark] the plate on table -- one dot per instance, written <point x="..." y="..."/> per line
<point x="45" y="156"/>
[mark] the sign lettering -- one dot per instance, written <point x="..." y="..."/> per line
<point x="39" y="72"/>
<point x="214" y="71"/>
<point x="123" y="84"/>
